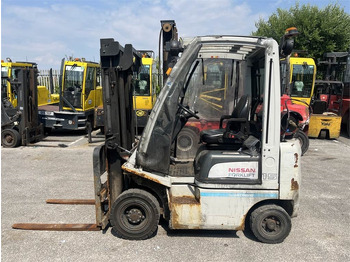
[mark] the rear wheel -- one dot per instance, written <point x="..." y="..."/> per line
<point x="270" y="224"/>
<point x="304" y="141"/>
<point x="323" y="134"/>
<point x="10" y="138"/>
<point x="135" y="215"/>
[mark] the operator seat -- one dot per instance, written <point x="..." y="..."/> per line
<point x="237" y="126"/>
<point x="73" y="95"/>
<point x="319" y="107"/>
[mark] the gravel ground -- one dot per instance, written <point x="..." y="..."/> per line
<point x="30" y="175"/>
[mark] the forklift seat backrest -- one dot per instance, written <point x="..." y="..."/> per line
<point x="236" y="127"/>
<point x="242" y="108"/>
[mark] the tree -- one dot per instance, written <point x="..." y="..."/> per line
<point x="320" y="30"/>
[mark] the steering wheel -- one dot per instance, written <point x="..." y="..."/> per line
<point x="194" y="114"/>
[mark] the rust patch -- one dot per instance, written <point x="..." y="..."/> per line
<point x="141" y="175"/>
<point x="178" y="222"/>
<point x="184" y="200"/>
<point x="294" y="185"/>
<point x="103" y="193"/>
<point x="174" y="219"/>
<point x="242" y="225"/>
<point x="296" y="157"/>
<point x="185" y="212"/>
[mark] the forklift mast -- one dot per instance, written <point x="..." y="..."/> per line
<point x="118" y="66"/>
<point x="334" y="65"/>
<point x="170" y="46"/>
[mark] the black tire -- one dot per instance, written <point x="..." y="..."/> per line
<point x="270" y="224"/>
<point x="10" y="138"/>
<point x="304" y="141"/>
<point x="48" y="130"/>
<point x="323" y="134"/>
<point x="102" y="130"/>
<point x="135" y="215"/>
<point x="348" y="127"/>
<point x="187" y="144"/>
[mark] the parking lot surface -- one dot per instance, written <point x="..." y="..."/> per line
<point x="62" y="168"/>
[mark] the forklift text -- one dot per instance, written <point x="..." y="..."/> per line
<point x="246" y="170"/>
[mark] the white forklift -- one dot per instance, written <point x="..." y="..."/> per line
<point x="242" y="174"/>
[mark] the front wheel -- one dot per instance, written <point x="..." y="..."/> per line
<point x="270" y="224"/>
<point x="10" y="138"/>
<point x="135" y="215"/>
<point x="304" y="141"/>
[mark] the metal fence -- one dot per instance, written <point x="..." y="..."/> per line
<point x="44" y="80"/>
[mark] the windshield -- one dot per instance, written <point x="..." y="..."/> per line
<point x="142" y="86"/>
<point x="89" y="83"/>
<point x="4" y="82"/>
<point x="302" y="80"/>
<point x="73" y="77"/>
<point x="73" y="84"/>
<point x="210" y="90"/>
<point x="4" y="70"/>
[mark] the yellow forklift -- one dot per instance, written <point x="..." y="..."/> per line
<point x="44" y="96"/>
<point x="80" y="93"/>
<point x="8" y="69"/>
<point x="328" y="103"/>
<point x="298" y="80"/>
<point x="325" y="120"/>
<point x="302" y="79"/>
<point x="145" y="92"/>
<point x="19" y="105"/>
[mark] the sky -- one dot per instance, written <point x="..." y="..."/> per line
<point x="47" y="31"/>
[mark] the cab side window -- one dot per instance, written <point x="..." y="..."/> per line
<point x="89" y="83"/>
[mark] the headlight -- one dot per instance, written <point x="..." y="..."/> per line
<point x="141" y="113"/>
<point x="48" y="113"/>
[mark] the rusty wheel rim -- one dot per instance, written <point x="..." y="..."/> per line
<point x="271" y="225"/>
<point x="134" y="217"/>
